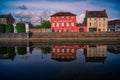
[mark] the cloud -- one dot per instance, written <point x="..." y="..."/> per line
<point x="80" y="18"/>
<point x="22" y="14"/>
<point x="23" y="7"/>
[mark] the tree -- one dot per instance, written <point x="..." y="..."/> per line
<point x="2" y="28"/>
<point x="9" y="28"/>
<point x="45" y="24"/>
<point x="21" y="50"/>
<point x="21" y="27"/>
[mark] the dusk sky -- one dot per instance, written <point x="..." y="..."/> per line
<point x="32" y="10"/>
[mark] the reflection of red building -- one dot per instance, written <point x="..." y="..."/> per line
<point x="65" y="53"/>
<point x="65" y="22"/>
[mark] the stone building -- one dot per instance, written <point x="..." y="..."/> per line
<point x="96" y="21"/>
<point x="7" y="19"/>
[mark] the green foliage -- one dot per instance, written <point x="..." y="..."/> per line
<point x="21" y="50"/>
<point x="2" y="28"/>
<point x="45" y="24"/>
<point x="46" y="50"/>
<point x="3" y="50"/>
<point x="20" y="28"/>
<point x="9" y="28"/>
<point x="37" y="26"/>
<point x="11" y="50"/>
<point x="80" y="24"/>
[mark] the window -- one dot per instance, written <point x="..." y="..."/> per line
<point x="62" y="17"/>
<point x="62" y="50"/>
<point x="53" y="49"/>
<point x="2" y="19"/>
<point x="57" y="24"/>
<point x="100" y="24"/>
<point x="90" y="23"/>
<point x="62" y="24"/>
<point x="67" y="50"/>
<point x="72" y="17"/>
<point x="103" y="24"/>
<point x="53" y="24"/>
<point x="67" y="17"/>
<point x="58" y="50"/>
<point x="67" y="24"/>
<point x="72" y="24"/>
<point x="72" y="50"/>
<point x="53" y="18"/>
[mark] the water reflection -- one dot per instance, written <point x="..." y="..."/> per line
<point x="66" y="62"/>
<point x="92" y="53"/>
<point x="95" y="53"/>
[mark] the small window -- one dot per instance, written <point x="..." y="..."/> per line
<point x="57" y="24"/>
<point x="90" y="23"/>
<point x="53" y="24"/>
<point x="67" y="24"/>
<point x="62" y="24"/>
<point x="72" y="24"/>
<point x="2" y="19"/>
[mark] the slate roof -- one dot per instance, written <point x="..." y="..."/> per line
<point x="96" y="14"/>
<point x="63" y="14"/>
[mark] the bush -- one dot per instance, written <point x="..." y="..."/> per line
<point x="21" y="50"/>
<point x="45" y="24"/>
<point x="9" y="28"/>
<point x="2" y="28"/>
<point x="20" y="28"/>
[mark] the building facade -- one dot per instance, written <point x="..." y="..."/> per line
<point x="65" y="53"/>
<point x="7" y="19"/>
<point x="95" y="53"/>
<point x="114" y="25"/>
<point x="65" y="22"/>
<point x="96" y="21"/>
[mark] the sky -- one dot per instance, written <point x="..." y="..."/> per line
<point x="34" y="10"/>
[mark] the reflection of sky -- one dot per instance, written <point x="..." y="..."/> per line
<point x="31" y="9"/>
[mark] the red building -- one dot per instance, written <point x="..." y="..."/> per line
<point x="65" y="53"/>
<point x="65" y="22"/>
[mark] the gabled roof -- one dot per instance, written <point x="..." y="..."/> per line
<point x="97" y="14"/>
<point x="63" y="14"/>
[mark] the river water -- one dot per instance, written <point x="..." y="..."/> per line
<point x="59" y="62"/>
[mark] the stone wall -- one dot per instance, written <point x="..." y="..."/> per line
<point x="14" y="35"/>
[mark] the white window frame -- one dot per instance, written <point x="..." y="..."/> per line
<point x="67" y="24"/>
<point x="62" y="24"/>
<point x="72" y="24"/>
<point x="57" y="25"/>
<point x="53" y="24"/>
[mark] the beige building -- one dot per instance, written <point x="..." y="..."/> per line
<point x="95" y="53"/>
<point x="96" y="21"/>
<point x="7" y="19"/>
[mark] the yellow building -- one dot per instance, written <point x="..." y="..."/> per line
<point x="95" y="53"/>
<point x="96" y="21"/>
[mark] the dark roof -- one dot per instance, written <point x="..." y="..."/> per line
<point x="116" y="21"/>
<point x="63" y="60"/>
<point x="63" y="14"/>
<point x="97" y="14"/>
<point x="95" y="59"/>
